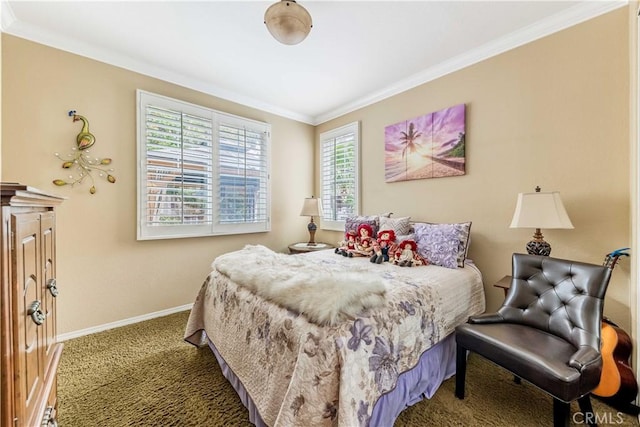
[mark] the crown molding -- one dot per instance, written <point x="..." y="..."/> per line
<point x="560" y="21"/>
<point x="11" y="25"/>
<point x="7" y="15"/>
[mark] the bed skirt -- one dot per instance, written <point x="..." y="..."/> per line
<point x="436" y="364"/>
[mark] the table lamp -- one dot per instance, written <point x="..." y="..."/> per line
<point x="311" y="207"/>
<point x="540" y="210"/>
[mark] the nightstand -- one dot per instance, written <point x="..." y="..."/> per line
<point x="504" y="283"/>
<point x="299" y="248"/>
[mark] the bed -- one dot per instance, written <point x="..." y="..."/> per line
<point x="357" y="370"/>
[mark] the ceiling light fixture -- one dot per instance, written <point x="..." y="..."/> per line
<point x="288" y="22"/>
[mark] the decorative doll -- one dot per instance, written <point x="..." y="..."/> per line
<point x="406" y="254"/>
<point x="363" y="248"/>
<point x="364" y="232"/>
<point x="381" y="246"/>
<point x="358" y="243"/>
<point x="348" y="245"/>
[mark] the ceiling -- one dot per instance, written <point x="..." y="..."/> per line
<point x="357" y="53"/>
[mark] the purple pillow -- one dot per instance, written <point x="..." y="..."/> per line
<point x="443" y="244"/>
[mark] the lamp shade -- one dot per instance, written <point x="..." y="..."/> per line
<point x="540" y="210"/>
<point x="288" y="22"/>
<point x="311" y="207"/>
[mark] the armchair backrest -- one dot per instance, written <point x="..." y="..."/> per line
<point x="562" y="297"/>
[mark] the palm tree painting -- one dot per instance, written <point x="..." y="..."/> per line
<point x="429" y="146"/>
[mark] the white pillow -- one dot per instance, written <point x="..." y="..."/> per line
<point x="400" y="226"/>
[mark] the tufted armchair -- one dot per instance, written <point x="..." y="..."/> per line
<point x="547" y="331"/>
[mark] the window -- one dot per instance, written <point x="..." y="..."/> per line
<point x="339" y="163"/>
<point x="201" y="172"/>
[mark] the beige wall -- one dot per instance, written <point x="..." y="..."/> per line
<point x="553" y="113"/>
<point x="105" y="275"/>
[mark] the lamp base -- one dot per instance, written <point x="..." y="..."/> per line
<point x="538" y="247"/>
<point x="312" y="233"/>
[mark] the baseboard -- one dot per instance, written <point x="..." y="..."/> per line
<point x="76" y="334"/>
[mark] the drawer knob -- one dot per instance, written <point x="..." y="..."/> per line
<point x="51" y="285"/>
<point x="49" y="419"/>
<point x="36" y="314"/>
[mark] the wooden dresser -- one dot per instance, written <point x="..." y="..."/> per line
<point x="29" y="350"/>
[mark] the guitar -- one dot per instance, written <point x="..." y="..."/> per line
<point x="617" y="381"/>
<point x="618" y="385"/>
<point x="611" y="259"/>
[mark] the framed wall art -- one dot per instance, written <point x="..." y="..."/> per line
<point x="429" y="146"/>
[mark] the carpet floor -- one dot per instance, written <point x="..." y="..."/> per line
<point x="146" y="375"/>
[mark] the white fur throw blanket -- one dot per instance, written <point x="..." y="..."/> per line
<point x="323" y="295"/>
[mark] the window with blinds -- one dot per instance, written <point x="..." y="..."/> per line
<point x="243" y="177"/>
<point x="201" y="172"/>
<point x="339" y="151"/>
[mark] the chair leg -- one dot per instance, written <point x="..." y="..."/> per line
<point x="461" y="370"/>
<point x="560" y="413"/>
<point x="587" y="410"/>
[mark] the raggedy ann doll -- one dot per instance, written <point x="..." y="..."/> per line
<point x="348" y="245"/>
<point x="406" y="255"/>
<point x="381" y="247"/>
<point x="364" y="241"/>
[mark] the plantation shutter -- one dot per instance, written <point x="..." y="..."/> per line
<point x="178" y="168"/>
<point x="242" y="173"/>
<point x="339" y="174"/>
<point x="201" y="172"/>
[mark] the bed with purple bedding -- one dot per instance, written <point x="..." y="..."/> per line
<point x="290" y="369"/>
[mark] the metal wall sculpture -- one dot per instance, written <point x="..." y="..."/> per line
<point x="79" y="163"/>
